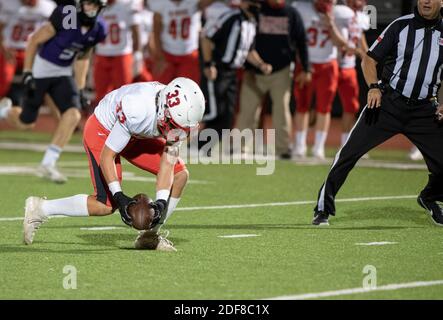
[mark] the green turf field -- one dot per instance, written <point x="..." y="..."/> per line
<point x="283" y="254"/>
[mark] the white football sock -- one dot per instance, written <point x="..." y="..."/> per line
<point x="300" y="139"/>
<point x="75" y="206"/>
<point x="173" y="202"/>
<point x="320" y="140"/>
<point x="51" y="155"/>
<point x="344" y="137"/>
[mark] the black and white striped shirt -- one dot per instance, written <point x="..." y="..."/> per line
<point x="413" y="49"/>
<point x="234" y="37"/>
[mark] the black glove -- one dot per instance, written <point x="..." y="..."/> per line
<point x="371" y="116"/>
<point x="84" y="101"/>
<point x="29" y="84"/>
<point x="123" y="202"/>
<point x="159" y="207"/>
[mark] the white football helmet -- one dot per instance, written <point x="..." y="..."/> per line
<point x="181" y="105"/>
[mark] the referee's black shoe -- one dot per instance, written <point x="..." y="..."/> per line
<point x="320" y="219"/>
<point x="434" y="211"/>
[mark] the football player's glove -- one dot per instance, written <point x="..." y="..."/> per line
<point x="29" y="84"/>
<point x="123" y="202"/>
<point x="159" y="207"/>
<point x="84" y="101"/>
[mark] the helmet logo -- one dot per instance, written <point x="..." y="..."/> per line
<point x="170" y="101"/>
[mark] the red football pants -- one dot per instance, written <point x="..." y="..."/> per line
<point x="111" y="73"/>
<point x="348" y="90"/>
<point x="324" y="86"/>
<point x="180" y="66"/>
<point x="8" y="69"/>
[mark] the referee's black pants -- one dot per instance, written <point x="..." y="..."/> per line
<point x="415" y="121"/>
<point x="221" y="96"/>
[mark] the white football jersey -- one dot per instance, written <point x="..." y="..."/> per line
<point x="213" y="12"/>
<point x="321" y="48"/>
<point x="119" y="17"/>
<point x="25" y="21"/>
<point x="129" y="111"/>
<point x="8" y="8"/>
<point x="354" y="33"/>
<point x="181" y="25"/>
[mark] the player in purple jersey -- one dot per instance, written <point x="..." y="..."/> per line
<point x="56" y="62"/>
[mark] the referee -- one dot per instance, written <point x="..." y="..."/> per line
<point x="411" y="52"/>
<point x="225" y="47"/>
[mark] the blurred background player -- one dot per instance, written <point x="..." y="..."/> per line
<point x="119" y="57"/>
<point x="15" y="28"/>
<point x="225" y="48"/>
<point x="323" y="20"/>
<point x="177" y="24"/>
<point x="348" y="87"/>
<point x="8" y="9"/>
<point x="144" y="123"/>
<point x="48" y="68"/>
<point x="146" y="19"/>
<point x="280" y="36"/>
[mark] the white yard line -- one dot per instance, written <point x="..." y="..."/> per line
<point x="368" y="163"/>
<point x="292" y="203"/>
<point x="79" y="173"/>
<point x="239" y="236"/>
<point x="343" y="292"/>
<point x="381" y="243"/>
<point x="39" y="147"/>
<point x="271" y="204"/>
<point x="101" y="228"/>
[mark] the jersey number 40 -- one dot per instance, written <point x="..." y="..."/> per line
<point x="185" y="24"/>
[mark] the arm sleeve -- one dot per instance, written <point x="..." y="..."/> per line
<point x="118" y="138"/>
<point x="301" y="41"/>
<point x="385" y="43"/>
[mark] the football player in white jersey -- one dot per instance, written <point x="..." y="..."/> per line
<point x="144" y="123"/>
<point x="116" y="57"/>
<point x="146" y="35"/>
<point x="18" y="19"/>
<point x="348" y="87"/>
<point x="177" y="24"/>
<point x="324" y="22"/>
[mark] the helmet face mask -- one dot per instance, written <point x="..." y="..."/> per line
<point x="181" y="106"/>
<point x="169" y="129"/>
<point x="88" y="17"/>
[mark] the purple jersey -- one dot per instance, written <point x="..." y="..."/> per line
<point x="64" y="46"/>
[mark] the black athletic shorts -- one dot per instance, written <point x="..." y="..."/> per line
<point x="16" y="94"/>
<point x="63" y="90"/>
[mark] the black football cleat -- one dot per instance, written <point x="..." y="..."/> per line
<point x="435" y="212"/>
<point x="320" y="219"/>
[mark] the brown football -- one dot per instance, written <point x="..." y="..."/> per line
<point x="141" y="212"/>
